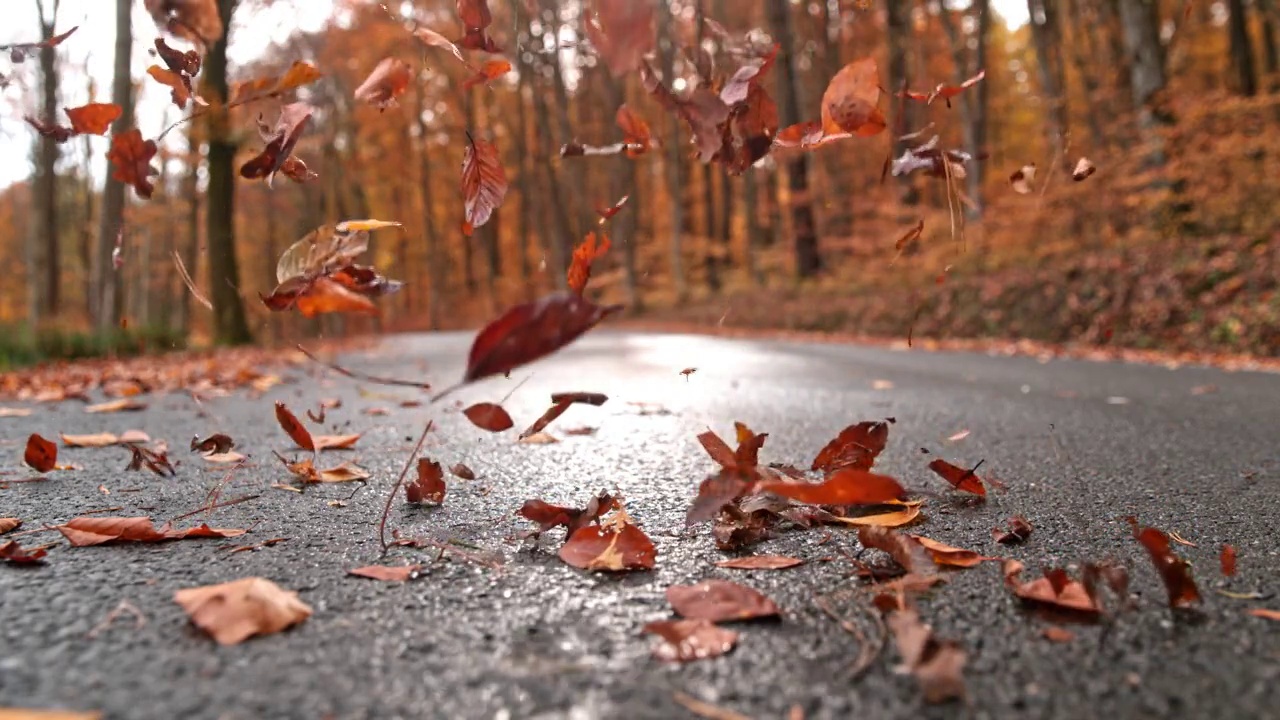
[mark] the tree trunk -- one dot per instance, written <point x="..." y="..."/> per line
<point x="108" y="293"/>
<point x="899" y="32"/>
<point x="1246" y="81"/>
<point x="1141" y="23"/>
<point x="1048" y="42"/>
<point x="808" y="260"/>
<point x="1082" y="49"/>
<point x="973" y="103"/>
<point x="1270" y="12"/>
<point x="435" y="259"/>
<point x="524" y="183"/>
<point x="672" y="165"/>
<point x="229" y="324"/>
<point x="43" y="250"/>
<point x="624" y="183"/>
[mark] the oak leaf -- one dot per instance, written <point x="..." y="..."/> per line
<point x="131" y="156"/>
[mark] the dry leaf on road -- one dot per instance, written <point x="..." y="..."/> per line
<point x="236" y="611"/>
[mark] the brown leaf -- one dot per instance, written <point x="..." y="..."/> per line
<point x="614" y="547"/>
<point x="279" y="143"/>
<point x="549" y="516"/>
<point x="484" y="182"/>
<point x="584" y="255"/>
<point x="489" y="70"/>
<point x="1083" y="170"/>
<point x="947" y="555"/>
<point x="194" y="20"/>
<point x="298" y="74"/>
<point x="294" y="428"/>
<point x="959" y="477"/>
<point x="185" y="63"/>
<point x="462" y="471"/>
<point x="907" y="552"/>
<point x="715" y="492"/>
<point x="388" y="81"/>
<point x="398" y="573"/>
<point x="235" y="611"/>
<point x="13" y="553"/>
<point x="688" y="640"/>
<point x="8" y="524"/>
<point x="701" y="109"/>
<point x="428" y="486"/>
<point x="1055" y="590"/>
<point x="857" y="447"/>
<point x="936" y="664"/>
<point x="157" y="461"/>
<point x="93" y="118"/>
<point x="622" y="33"/>
<point x="335" y="442"/>
<point x="131" y="156"/>
<point x="178" y="84"/>
<point x="1228" y="560"/>
<point x="842" y="487"/>
<point x="41" y="455"/>
<point x="944" y="91"/>
<point x="115" y="406"/>
<point x="488" y="416"/>
<point x="719" y="601"/>
<point x="307" y="472"/>
<point x="607" y="213"/>
<point x="86" y="531"/>
<point x="909" y="237"/>
<point x="531" y="331"/>
<point x="215" y="444"/>
<point x="849" y="104"/>
<point x="1174" y="571"/>
<point x="761" y="562"/>
<point x="1019" y="530"/>
<point x="435" y="39"/>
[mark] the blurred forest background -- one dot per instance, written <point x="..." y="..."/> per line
<point x="1173" y="244"/>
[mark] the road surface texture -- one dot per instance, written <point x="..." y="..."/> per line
<point x="1080" y="445"/>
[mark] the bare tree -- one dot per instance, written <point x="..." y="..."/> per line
<point x="107" y="293"/>
<point x="808" y="259"/>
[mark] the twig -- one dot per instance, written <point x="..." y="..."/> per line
<point x="705" y="709"/>
<point x="395" y="489"/>
<point x="356" y="375"/>
<point x="216" y="506"/>
<point x="102" y="510"/>
<point x="124" y="608"/>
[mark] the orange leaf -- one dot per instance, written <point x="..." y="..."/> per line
<point x="760" y="562"/>
<point x="179" y="85"/>
<point x="335" y="442"/>
<point x="842" y="487"/>
<point x="1228" y="560"/>
<point x="1174" y="571"/>
<point x="236" y="611"/>
<point x="635" y="132"/>
<point x="855" y="447"/>
<point x="959" y="477"/>
<point x="1056" y="590"/>
<point x="484" y="182"/>
<point x="489" y="70"/>
<point x="944" y="554"/>
<point x="93" y="118"/>
<point x="294" y="428"/>
<point x="849" y="104"/>
<point x="388" y="81"/>
<point x="131" y="156"/>
<point x="584" y="255"/>
<point x="399" y="573"/>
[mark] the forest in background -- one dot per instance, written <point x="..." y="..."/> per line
<point x="1172" y="242"/>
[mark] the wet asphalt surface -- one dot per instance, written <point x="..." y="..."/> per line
<point x="1080" y="445"/>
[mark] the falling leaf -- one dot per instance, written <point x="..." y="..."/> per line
<point x="1021" y="179"/>
<point x="688" y="371"/>
<point x="488" y="416"/>
<point x="435" y="39"/>
<point x="549" y="516"/>
<point x="1019" y="530"/>
<point x="946" y="555"/>
<point x="428" y="486"/>
<point x="179" y="85"/>
<point x="399" y="573"/>
<point x="1058" y="634"/>
<point x="637" y="137"/>
<point x="86" y="531"/>
<point x="1055" y="590"/>
<point x="388" y="81"/>
<point x="1227" y="558"/>
<point x="584" y="255"/>
<point x="933" y="161"/>
<point x="622" y="33"/>
<point x="856" y="447"/>
<point x="41" y="455"/>
<point x="335" y="442"/>
<point x="614" y="546"/>
<point x="1174" y="536"/>
<point x="157" y="461"/>
<point x="294" y="428"/>
<point x="1174" y="571"/>
<point x="14" y="554"/>
<point x="187" y="63"/>
<point x="849" y="104"/>
<point x="94" y="118"/>
<point x="484" y="182"/>
<point x="688" y="640"/>
<point x="959" y="477"/>
<point x="462" y="471"/>
<point x="701" y="109"/>
<point x="760" y="562"/>
<point x="719" y="601"/>
<point x="474" y="14"/>
<point x="944" y="91"/>
<point x="488" y="71"/>
<point x="531" y="331"/>
<point x="909" y="237"/>
<point x="235" y="611"/>
<point x="1083" y="170"/>
<point x="1264" y="613"/>
<point x="8" y="524"/>
<point x="59" y="133"/>
<point x="318" y="274"/>
<point x="936" y="664"/>
<point x="119" y="405"/>
<point x="847" y="486"/>
<point x="131" y="157"/>
<point x="279" y="142"/>
<point x="195" y="20"/>
<point x="215" y="444"/>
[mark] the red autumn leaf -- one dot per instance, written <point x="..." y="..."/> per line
<point x="428" y="486"/>
<point x="936" y="664"/>
<point x="13" y="553"/>
<point x="294" y="428"/>
<point x="549" y="516"/>
<point x="842" y="487"/>
<point x="488" y="70"/>
<point x="387" y="573"/>
<point x="688" y="640"/>
<point x="806" y="136"/>
<point x="194" y="20"/>
<point x="474" y="14"/>
<point x="909" y="237"/>
<point x="1228" y="560"/>
<point x="857" y="447"/>
<point x="959" y="477"/>
<point x="484" y="182"/>
<point x="719" y="601"/>
<point x="86" y="531"/>
<point x="179" y="85"/>
<point x="850" y="103"/>
<point x="614" y="546"/>
<point x="1019" y="530"/>
<point x="583" y="256"/>
<point x="607" y="213"/>
<point x="388" y="81"/>
<point x="715" y="492"/>
<point x="1174" y="571"/>
<point x="59" y="133"/>
<point x="488" y="416"/>
<point x="41" y="455"/>
<point x="531" y="331"/>
<point x="905" y="550"/>
<point x="327" y="296"/>
<point x="622" y="33"/>
<point x="738" y="88"/>
<point x="635" y="133"/>
<point x="184" y="63"/>
<point x="296" y="170"/>
<point x="131" y="156"/>
<point x="93" y="118"/>
<point x="279" y="142"/>
<point x="760" y="562"/>
<point x="478" y="40"/>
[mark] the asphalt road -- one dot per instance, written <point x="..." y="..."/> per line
<point x="1080" y="445"/>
